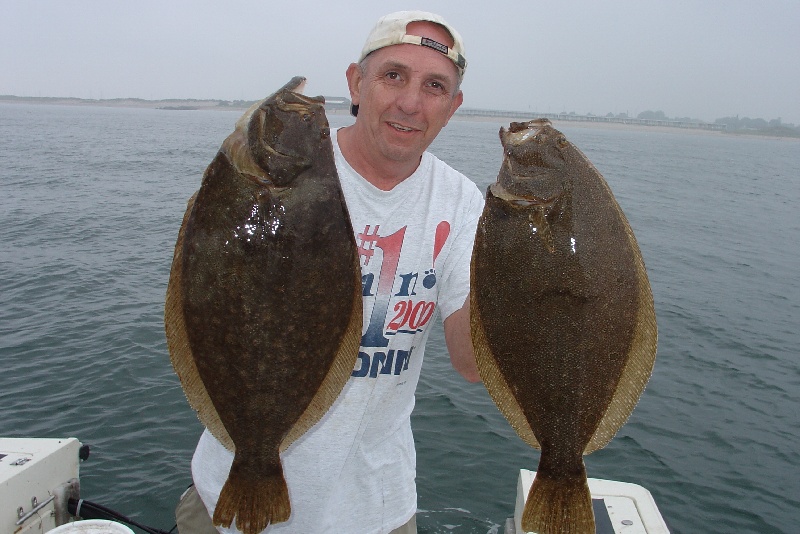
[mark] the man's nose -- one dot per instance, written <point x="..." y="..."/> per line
<point x="410" y="99"/>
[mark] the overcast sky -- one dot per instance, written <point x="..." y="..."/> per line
<point x="703" y="59"/>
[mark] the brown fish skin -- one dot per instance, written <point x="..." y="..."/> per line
<point x="562" y="315"/>
<point x="263" y="312"/>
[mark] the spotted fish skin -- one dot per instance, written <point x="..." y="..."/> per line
<point x="562" y="316"/>
<point x="263" y="313"/>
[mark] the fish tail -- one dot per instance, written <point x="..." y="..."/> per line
<point x="560" y="505"/>
<point x="255" y="502"/>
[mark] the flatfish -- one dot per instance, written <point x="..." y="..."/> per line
<point x="562" y="315"/>
<point x="263" y="310"/>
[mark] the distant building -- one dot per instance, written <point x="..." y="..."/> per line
<point x="337" y="102"/>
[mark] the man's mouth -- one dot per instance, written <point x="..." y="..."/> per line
<point x="401" y="128"/>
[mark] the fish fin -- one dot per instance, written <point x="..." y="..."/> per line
<point x="255" y="502"/>
<point x="641" y="359"/>
<point x="538" y="218"/>
<point x="559" y="506"/>
<point x="495" y="384"/>
<point x="340" y="370"/>
<point x="180" y="352"/>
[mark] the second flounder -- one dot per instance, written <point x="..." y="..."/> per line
<point x="563" y="323"/>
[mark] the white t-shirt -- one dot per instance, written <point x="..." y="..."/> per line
<point x="354" y="471"/>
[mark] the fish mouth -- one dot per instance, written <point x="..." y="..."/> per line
<point x="520" y="199"/>
<point x="296" y="85"/>
<point x="291" y="94"/>
<point x="268" y="132"/>
<point x="518" y="184"/>
<point x="533" y="147"/>
<point x="298" y="102"/>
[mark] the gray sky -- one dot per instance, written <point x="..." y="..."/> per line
<point x="703" y="59"/>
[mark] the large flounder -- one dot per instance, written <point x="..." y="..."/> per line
<point x="563" y="323"/>
<point x="263" y="311"/>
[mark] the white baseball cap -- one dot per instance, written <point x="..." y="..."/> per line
<point x="391" y="30"/>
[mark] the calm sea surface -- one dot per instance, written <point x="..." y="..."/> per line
<point x="91" y="200"/>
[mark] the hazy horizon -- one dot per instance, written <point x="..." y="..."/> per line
<point x="703" y="60"/>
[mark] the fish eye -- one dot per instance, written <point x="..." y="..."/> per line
<point x="562" y="141"/>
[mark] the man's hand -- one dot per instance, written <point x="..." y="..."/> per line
<point x="459" y="343"/>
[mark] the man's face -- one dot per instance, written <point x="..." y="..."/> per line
<point x="406" y="94"/>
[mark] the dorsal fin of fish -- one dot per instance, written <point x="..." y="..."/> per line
<point x="180" y="352"/>
<point x="641" y="356"/>
<point x="642" y="351"/>
<point x="340" y="370"/>
<point x="493" y="379"/>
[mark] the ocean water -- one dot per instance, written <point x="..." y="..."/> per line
<point x="91" y="200"/>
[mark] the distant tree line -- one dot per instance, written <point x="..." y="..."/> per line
<point x="735" y="124"/>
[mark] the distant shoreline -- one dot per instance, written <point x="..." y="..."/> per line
<point x="338" y="109"/>
<point x="166" y="104"/>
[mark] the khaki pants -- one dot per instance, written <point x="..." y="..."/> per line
<point x="193" y="518"/>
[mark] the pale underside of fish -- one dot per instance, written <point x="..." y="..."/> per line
<point x="562" y="315"/>
<point x="263" y="311"/>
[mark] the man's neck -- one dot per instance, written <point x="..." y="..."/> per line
<point x="383" y="174"/>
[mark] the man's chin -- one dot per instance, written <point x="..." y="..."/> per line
<point x="402" y="153"/>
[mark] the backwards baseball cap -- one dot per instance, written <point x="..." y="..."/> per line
<point x="391" y="30"/>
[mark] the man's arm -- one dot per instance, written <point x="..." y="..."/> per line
<point x="459" y="343"/>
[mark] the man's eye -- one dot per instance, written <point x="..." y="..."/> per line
<point x="392" y="75"/>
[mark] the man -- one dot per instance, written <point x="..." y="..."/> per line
<point x="414" y="219"/>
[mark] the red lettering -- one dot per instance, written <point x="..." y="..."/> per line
<point x="422" y="313"/>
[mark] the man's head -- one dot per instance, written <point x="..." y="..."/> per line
<point x="406" y="87"/>
<point x="392" y="29"/>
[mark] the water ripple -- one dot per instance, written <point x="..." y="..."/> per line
<point x="87" y="227"/>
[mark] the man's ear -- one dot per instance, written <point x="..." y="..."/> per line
<point x="457" y="101"/>
<point x="354" y="76"/>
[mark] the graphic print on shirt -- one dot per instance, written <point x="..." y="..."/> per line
<point x="402" y="302"/>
